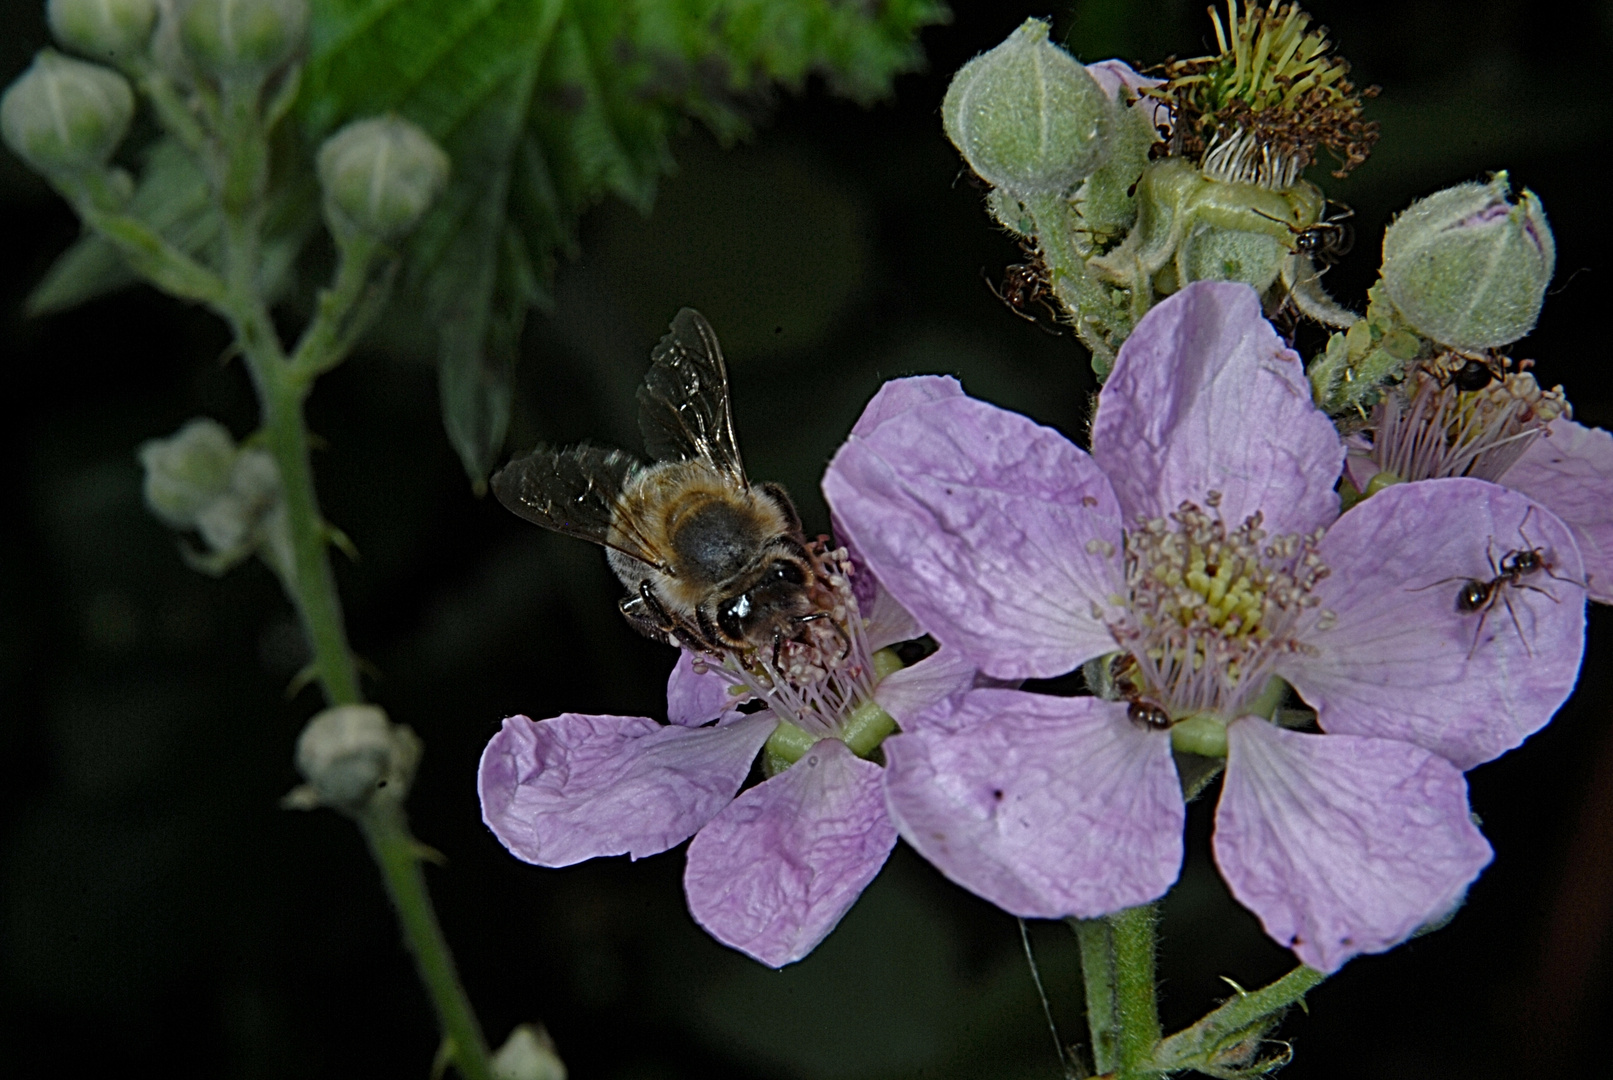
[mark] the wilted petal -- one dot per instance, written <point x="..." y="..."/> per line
<point x="695" y="697"/>
<point x="1570" y="473"/>
<point x="914" y="694"/>
<point x="1401" y="662"/>
<point x="998" y="534"/>
<point x="577" y="787"/>
<point x="773" y="873"/>
<point x="1206" y="397"/>
<point x="1342" y="845"/>
<point x="1045" y="806"/>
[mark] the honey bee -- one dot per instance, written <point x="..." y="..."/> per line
<point x="711" y="561"/>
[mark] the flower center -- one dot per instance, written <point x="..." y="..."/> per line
<point x="1462" y="415"/>
<point x="820" y="683"/>
<point x="1210" y="611"/>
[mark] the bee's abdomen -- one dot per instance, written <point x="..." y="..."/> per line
<point x="716" y="540"/>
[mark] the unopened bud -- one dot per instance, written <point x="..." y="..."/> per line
<point x="1467" y="267"/>
<point x="234" y="519"/>
<point x="528" y="1054"/>
<point x="242" y="38"/>
<point x="1027" y="116"/>
<point x="352" y="755"/>
<point x="64" y="115"/>
<point x="187" y="471"/>
<point x="105" y="29"/>
<point x="380" y="175"/>
<point x="199" y="479"/>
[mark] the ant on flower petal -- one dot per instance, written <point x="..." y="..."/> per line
<point x="1506" y="574"/>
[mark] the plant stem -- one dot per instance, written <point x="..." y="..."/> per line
<point x="283" y="386"/>
<point x="1136" y="995"/>
<point x="396" y="853"/>
<point x="1234" y="1022"/>
<point x="1096" y="938"/>
<point x="1117" y="964"/>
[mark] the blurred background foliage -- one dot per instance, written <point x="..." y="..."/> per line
<point x="157" y="910"/>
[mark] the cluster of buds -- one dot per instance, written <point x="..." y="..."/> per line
<point x="199" y="480"/>
<point x="67" y="117"/>
<point x="1126" y="188"/>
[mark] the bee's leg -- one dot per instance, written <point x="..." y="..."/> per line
<point x="650" y="617"/>
<point x="845" y="641"/>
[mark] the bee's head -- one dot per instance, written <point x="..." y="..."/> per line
<point x="774" y="596"/>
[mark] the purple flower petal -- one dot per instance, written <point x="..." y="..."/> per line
<point x="1206" y="397"/>
<point x="1342" y="845"/>
<point x="1401" y="662"/>
<point x="888" y="621"/>
<point x="694" y="698"/>
<point x="773" y="873"/>
<point x="900" y="395"/>
<point x="1570" y="473"/>
<point x="998" y="534"/>
<point x="577" y="787"/>
<point x="928" y="690"/>
<point x="1117" y="75"/>
<point x="1045" y="806"/>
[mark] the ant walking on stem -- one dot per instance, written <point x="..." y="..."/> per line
<point x="1025" y="284"/>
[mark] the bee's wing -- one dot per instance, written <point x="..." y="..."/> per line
<point x="576" y="491"/>
<point x="683" y="405"/>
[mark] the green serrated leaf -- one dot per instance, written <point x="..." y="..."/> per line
<point x="546" y="107"/>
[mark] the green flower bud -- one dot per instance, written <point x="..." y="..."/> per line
<point x="187" y="471"/>
<point x="63" y="115"/>
<point x="105" y="29"/>
<point x="380" y="175"/>
<point x="351" y="756"/>
<point x="1469" y="268"/>
<point x="199" y="479"/>
<point x="1027" y="116"/>
<point x="242" y="39"/>
<point x="528" y="1054"/>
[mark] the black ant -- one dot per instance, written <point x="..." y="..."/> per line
<point x="1025" y="284"/>
<point x="1509" y="571"/>
<point x="1324" y="242"/>
<point x="1147" y="714"/>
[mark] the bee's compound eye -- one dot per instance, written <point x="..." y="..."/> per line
<point x="731" y="616"/>
<point x="787" y="573"/>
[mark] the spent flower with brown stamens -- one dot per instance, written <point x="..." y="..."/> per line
<point x="1258" y="110"/>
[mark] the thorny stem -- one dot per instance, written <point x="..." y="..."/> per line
<point x="396" y="852"/>
<point x="1117" y="964"/>
<point x="1096" y="938"/>
<point x="1234" y="1023"/>
<point x="240" y="155"/>
<point x="1136" y="995"/>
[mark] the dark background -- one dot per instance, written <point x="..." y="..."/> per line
<point x="158" y="910"/>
